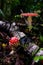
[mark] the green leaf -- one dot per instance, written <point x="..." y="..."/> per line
<point x="41" y="38"/>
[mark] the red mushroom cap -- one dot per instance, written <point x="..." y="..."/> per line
<point x="29" y="14"/>
<point x="13" y="40"/>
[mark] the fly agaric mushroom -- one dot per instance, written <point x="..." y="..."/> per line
<point x="13" y="41"/>
<point x="29" y="14"/>
<point x="29" y="19"/>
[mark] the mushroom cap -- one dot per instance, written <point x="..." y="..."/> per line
<point x="29" y="14"/>
<point x="13" y="40"/>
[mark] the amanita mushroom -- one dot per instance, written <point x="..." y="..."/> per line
<point x="29" y="14"/>
<point x="29" y="19"/>
<point x="13" y="41"/>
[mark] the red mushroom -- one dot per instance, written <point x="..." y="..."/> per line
<point x="13" y="41"/>
<point x="29" y="14"/>
<point x="29" y="19"/>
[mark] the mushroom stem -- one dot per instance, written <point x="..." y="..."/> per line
<point x="29" y="19"/>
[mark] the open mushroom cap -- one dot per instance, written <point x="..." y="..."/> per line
<point x="29" y="14"/>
